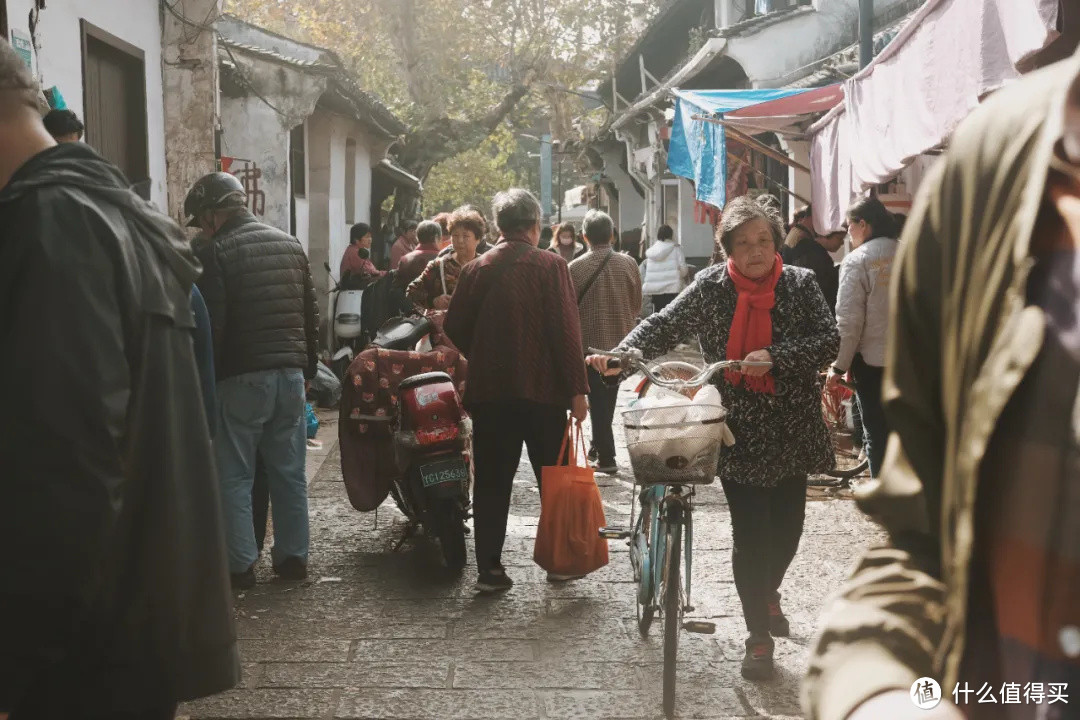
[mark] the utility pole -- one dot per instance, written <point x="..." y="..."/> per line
<point x="559" y="197"/>
<point x="866" y="32"/>
<point x="545" y="176"/>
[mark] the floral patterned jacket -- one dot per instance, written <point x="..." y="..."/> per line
<point x="776" y="436"/>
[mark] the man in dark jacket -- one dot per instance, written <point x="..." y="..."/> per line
<point x="804" y="248"/>
<point x="428" y="235"/>
<point x="258" y="289"/>
<point x="114" y="599"/>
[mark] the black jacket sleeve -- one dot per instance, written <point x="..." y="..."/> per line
<point x="311" y="323"/>
<point x="211" y="285"/>
<point x="62" y="431"/>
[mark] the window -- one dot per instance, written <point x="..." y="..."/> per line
<point x="114" y="89"/>
<point x="298" y="161"/>
<point x="670" y="205"/>
<point x="350" y="181"/>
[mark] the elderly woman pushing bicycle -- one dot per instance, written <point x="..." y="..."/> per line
<point x="753" y="308"/>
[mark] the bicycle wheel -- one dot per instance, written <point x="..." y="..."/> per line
<point x="675" y="370"/>
<point x="850" y="462"/>
<point x="644" y="572"/>
<point x="672" y="606"/>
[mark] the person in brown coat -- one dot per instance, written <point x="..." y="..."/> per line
<point x="514" y="316"/>
<point x="413" y="263"/>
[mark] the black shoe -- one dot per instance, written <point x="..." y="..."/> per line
<point x="609" y="467"/>
<point x="493" y="581"/>
<point x="244" y="580"/>
<point x="778" y="623"/>
<point x="757" y="663"/>
<point x="292" y="569"/>
<point x="594" y="455"/>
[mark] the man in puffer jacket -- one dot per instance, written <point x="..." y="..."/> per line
<point x="265" y="318"/>
<point x="665" y="269"/>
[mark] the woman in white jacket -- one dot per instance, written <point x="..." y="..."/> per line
<point x="665" y="269"/>
<point x="862" y="316"/>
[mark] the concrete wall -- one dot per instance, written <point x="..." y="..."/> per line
<point x="631" y="205"/>
<point x="696" y="238"/>
<point x="258" y="140"/>
<point x="190" y="79"/>
<point x="328" y="226"/>
<point x="58" y="58"/>
<point x="768" y="57"/>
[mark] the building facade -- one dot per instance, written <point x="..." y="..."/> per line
<point x="714" y="44"/>
<point x="308" y="144"/>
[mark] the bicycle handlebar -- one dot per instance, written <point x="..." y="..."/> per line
<point x="634" y="358"/>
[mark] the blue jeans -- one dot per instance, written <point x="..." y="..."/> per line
<point x="261" y="415"/>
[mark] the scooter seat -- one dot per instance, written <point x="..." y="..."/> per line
<point x="424" y="379"/>
<point x="402" y="333"/>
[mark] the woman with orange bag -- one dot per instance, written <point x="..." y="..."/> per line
<point x="753" y="307"/>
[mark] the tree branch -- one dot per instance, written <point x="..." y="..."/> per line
<point x="402" y="13"/>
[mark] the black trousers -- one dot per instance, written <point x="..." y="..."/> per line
<point x="875" y="428"/>
<point x="602" y="399"/>
<point x="660" y="301"/>
<point x="499" y="430"/>
<point x="766" y="525"/>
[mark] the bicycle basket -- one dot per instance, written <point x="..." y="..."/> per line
<point x="674" y="444"/>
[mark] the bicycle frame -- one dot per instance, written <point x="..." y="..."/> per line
<point x="648" y="556"/>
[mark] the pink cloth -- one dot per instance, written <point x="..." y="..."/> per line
<point x="918" y="90"/>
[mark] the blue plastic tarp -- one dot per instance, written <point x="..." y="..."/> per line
<point x="698" y="150"/>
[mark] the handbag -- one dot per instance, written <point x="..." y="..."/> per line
<point x="571" y="513"/>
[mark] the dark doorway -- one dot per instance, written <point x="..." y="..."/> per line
<point x="114" y="87"/>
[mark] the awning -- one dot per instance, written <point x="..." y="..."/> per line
<point x="698" y="149"/>
<point x="398" y="175"/>
<point x="787" y="115"/>
<point x="912" y="97"/>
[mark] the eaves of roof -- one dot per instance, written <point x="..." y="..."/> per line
<point x="367" y="108"/>
<point x="845" y="63"/>
<point x="760" y="22"/>
<point x="630" y="56"/>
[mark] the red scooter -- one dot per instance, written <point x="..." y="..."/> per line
<point x="405" y="433"/>
<point x="432" y="443"/>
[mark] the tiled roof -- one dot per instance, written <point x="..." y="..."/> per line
<point x="367" y="107"/>
<point x="843" y="64"/>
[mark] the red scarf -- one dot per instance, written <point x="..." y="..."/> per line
<point x="751" y="328"/>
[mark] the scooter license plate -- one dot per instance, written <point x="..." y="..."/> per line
<point x="444" y="472"/>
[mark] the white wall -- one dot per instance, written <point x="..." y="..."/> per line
<point x="253" y="132"/>
<point x="59" y="58"/>
<point x="328" y="229"/>
<point x="696" y="238"/>
<point x="770" y="55"/>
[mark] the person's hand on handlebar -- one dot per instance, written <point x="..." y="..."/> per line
<point x="757" y="356"/>
<point x="599" y="363"/>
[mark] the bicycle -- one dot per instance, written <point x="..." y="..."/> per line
<point x="836" y="408"/>
<point x="664" y="529"/>
<point x="851" y="461"/>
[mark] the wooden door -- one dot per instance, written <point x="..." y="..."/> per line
<point x="114" y="79"/>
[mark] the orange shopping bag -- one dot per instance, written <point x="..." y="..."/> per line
<point x="571" y="515"/>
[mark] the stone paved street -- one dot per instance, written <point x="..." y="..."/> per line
<point x="379" y="634"/>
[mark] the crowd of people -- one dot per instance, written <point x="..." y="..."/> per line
<point x="153" y="379"/>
